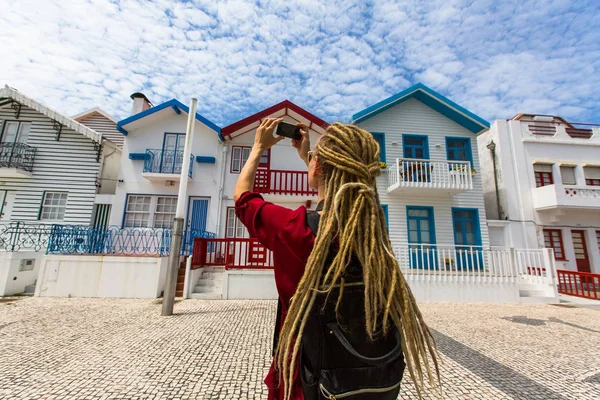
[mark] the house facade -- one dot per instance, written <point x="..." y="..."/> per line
<point x="50" y="173"/>
<point x="431" y="187"/>
<point x="147" y="188"/>
<point x="541" y="177"/>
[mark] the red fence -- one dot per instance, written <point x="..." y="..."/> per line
<point x="580" y="284"/>
<point x="283" y="182"/>
<point x="231" y="253"/>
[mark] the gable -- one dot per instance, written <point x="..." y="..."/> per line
<point x="433" y="100"/>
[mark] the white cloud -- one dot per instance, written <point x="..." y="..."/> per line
<point x="333" y="58"/>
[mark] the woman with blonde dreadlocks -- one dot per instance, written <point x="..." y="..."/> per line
<point x="347" y="323"/>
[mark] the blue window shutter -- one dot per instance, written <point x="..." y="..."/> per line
<point x="385" y="212"/>
<point x="380" y="137"/>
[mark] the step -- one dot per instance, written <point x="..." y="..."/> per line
<point x="206" y="296"/>
<point x="213" y="269"/>
<point x="209" y="282"/>
<point x="532" y="293"/>
<point x="538" y="300"/>
<point x="29" y="289"/>
<point x="212" y="275"/>
<point x="208" y="289"/>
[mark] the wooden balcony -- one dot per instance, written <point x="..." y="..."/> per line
<point x="425" y="177"/>
<point x="283" y="183"/>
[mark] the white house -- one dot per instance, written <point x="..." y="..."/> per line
<point x="541" y="178"/>
<point x="50" y="169"/>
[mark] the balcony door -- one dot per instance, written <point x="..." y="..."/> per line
<point x="421" y="237"/>
<point x="11" y="153"/>
<point x="467" y="238"/>
<point x="582" y="257"/>
<point x="415" y="147"/>
<point x="172" y="153"/>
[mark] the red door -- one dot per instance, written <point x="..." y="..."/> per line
<point x="581" y="255"/>
<point x="262" y="179"/>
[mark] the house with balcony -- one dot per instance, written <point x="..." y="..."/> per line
<point x="51" y="167"/>
<point x="146" y="193"/>
<point x="541" y="179"/>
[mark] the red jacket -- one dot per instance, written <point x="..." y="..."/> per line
<point x="286" y="233"/>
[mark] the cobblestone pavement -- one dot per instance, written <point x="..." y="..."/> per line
<point x="123" y="349"/>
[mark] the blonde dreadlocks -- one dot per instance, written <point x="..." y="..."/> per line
<point x="349" y="160"/>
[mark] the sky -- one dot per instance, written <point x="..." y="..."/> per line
<point x="333" y="58"/>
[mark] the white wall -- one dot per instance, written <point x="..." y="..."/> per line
<point x="13" y="281"/>
<point x="246" y="284"/>
<point x="206" y="177"/>
<point x="464" y="292"/>
<point x="99" y="276"/>
<point x="517" y="150"/>
<point x="414" y="117"/>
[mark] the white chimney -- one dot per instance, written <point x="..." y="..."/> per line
<point x="140" y="103"/>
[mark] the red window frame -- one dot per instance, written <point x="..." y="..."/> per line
<point x="554" y="240"/>
<point x="543" y="178"/>
<point x="592" y="182"/>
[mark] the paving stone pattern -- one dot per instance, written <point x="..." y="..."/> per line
<point x="123" y="349"/>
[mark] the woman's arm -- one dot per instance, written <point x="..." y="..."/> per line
<point x="263" y="140"/>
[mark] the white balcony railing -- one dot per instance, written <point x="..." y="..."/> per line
<point x="421" y="176"/>
<point x="559" y="196"/>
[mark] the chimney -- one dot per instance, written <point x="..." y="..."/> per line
<point x="140" y="103"/>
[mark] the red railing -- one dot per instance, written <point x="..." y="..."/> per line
<point x="580" y="284"/>
<point x="283" y="182"/>
<point x="231" y="253"/>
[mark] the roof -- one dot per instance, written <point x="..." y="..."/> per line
<point x="176" y="105"/>
<point x="520" y="116"/>
<point x="431" y="98"/>
<point x="98" y="110"/>
<point x="9" y="93"/>
<point x="284" y="105"/>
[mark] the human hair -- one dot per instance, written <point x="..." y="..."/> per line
<point x="353" y="219"/>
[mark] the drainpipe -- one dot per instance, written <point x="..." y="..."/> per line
<point x="492" y="148"/>
<point x="221" y="189"/>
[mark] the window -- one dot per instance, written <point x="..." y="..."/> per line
<point x="15" y="131"/>
<point x="150" y="211"/>
<point x="420" y="224"/>
<point x="567" y="174"/>
<point x="466" y="227"/>
<point x="137" y="214"/>
<point x="553" y="240"/>
<point x="54" y="205"/>
<point x="235" y="228"/>
<point x="380" y="138"/>
<point x="415" y="146"/>
<point x="165" y="212"/>
<point x="543" y="175"/>
<point x="459" y="149"/>
<point x="239" y="156"/>
<point x="592" y="176"/>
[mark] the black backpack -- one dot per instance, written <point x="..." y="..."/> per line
<point x="338" y="360"/>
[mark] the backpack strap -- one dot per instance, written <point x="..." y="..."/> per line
<point x="312" y="220"/>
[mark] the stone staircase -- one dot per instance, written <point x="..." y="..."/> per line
<point x="210" y="284"/>
<point x="536" y="293"/>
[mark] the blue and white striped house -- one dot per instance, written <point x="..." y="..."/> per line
<point x="430" y="187"/>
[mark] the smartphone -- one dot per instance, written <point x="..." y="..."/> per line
<point x="288" y="130"/>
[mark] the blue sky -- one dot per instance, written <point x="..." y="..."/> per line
<point x="334" y="58"/>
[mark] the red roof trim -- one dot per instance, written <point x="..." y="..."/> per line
<point x="228" y="130"/>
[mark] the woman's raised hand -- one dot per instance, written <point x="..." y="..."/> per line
<point x="302" y="145"/>
<point x="264" y="138"/>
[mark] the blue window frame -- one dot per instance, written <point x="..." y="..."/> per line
<point x="385" y="212"/>
<point x="415" y="146"/>
<point x="459" y="149"/>
<point x="380" y="137"/>
<point x="467" y="231"/>
<point x="421" y="228"/>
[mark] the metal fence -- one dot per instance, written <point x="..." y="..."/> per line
<point x="17" y="155"/>
<point x="166" y="161"/>
<point x="114" y="240"/>
<point x="16" y="236"/>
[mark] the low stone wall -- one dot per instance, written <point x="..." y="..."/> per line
<point x="13" y="277"/>
<point x="246" y="284"/>
<point x="101" y="276"/>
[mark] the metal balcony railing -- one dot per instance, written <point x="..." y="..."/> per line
<point x="166" y="161"/>
<point x="17" y="155"/>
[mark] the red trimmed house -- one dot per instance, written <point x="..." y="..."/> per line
<point x="282" y="177"/>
